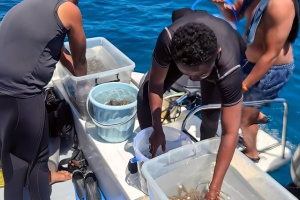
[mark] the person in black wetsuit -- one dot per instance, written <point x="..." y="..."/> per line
<point x="206" y="49"/>
<point x="271" y="28"/>
<point x="31" y="43"/>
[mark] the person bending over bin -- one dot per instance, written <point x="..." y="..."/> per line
<point x="206" y="49"/>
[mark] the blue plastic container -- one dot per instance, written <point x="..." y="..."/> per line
<point x="113" y="123"/>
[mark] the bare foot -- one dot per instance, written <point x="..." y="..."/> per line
<point x="59" y="176"/>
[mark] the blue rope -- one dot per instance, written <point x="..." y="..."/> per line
<point x="195" y="3"/>
<point x="227" y="2"/>
<point x="233" y="10"/>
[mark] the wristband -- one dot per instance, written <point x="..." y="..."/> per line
<point x="244" y="87"/>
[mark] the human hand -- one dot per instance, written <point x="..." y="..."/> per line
<point x="217" y="1"/>
<point x="156" y="139"/>
<point x="59" y="176"/>
<point x="212" y="195"/>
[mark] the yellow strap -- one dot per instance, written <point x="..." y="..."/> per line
<point x="1" y="179"/>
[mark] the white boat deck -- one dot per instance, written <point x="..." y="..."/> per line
<point x="109" y="160"/>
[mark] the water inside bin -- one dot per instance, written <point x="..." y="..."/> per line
<point x="195" y="174"/>
<point x="99" y="60"/>
<point x="174" y="139"/>
<point x="114" y="123"/>
<point x="170" y="144"/>
<point x="115" y="94"/>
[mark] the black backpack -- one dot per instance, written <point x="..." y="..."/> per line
<point x="59" y="115"/>
<point x="61" y="124"/>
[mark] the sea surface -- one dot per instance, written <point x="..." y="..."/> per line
<point x="133" y="27"/>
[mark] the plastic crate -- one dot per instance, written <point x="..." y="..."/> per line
<point x="106" y="63"/>
<point x="192" y="166"/>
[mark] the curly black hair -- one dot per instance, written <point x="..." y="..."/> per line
<point x="193" y="44"/>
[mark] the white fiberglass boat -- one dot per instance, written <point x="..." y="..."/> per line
<point x="109" y="161"/>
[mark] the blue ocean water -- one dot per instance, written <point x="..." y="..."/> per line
<point x="133" y="27"/>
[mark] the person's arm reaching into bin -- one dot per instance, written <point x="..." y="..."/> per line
<point x="229" y="140"/>
<point x="156" y="86"/>
<point x="72" y="20"/>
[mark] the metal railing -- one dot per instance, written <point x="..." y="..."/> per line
<point x="250" y="103"/>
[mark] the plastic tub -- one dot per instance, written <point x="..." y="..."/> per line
<point x="192" y="166"/>
<point x="174" y="139"/>
<point x="106" y="63"/>
<point x="114" y="123"/>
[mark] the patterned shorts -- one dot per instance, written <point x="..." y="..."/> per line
<point x="269" y="86"/>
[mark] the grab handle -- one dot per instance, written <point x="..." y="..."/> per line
<point x="250" y="103"/>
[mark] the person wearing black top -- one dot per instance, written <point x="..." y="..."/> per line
<point x="206" y="49"/>
<point x="32" y="34"/>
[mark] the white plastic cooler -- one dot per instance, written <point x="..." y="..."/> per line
<point x="106" y="63"/>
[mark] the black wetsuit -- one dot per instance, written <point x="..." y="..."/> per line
<point x="31" y="38"/>
<point x="222" y="86"/>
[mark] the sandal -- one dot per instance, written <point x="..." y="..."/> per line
<point x="263" y="120"/>
<point x="255" y="160"/>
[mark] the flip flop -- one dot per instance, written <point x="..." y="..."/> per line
<point x="255" y="160"/>
<point x="78" y="183"/>
<point x="92" y="190"/>
<point x="263" y="120"/>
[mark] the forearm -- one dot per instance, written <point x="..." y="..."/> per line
<point x="224" y="157"/>
<point x="155" y="93"/>
<point x="155" y="100"/>
<point x="228" y="143"/>
<point x="78" y="51"/>
<point x="80" y="66"/>
<point x="66" y="60"/>
<point x="259" y="70"/>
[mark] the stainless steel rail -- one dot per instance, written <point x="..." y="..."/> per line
<point x="250" y="103"/>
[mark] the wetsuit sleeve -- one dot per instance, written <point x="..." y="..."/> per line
<point x="161" y="52"/>
<point x="231" y="88"/>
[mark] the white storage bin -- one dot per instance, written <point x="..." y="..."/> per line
<point x="174" y="139"/>
<point x="192" y="165"/>
<point x="106" y="63"/>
